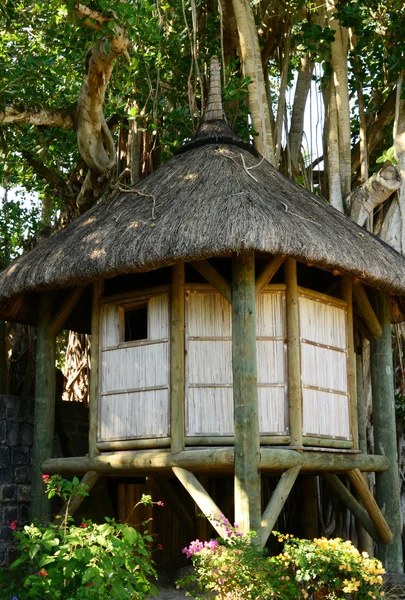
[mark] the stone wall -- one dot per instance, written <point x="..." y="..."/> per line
<point x="16" y="436"/>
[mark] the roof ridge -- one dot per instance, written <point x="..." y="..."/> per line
<point x="214" y="110"/>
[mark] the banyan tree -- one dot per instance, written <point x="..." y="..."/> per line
<point x="223" y="301"/>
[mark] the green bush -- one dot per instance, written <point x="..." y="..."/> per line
<point x="236" y="569"/>
<point x="81" y="562"/>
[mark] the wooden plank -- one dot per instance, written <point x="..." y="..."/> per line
<point x="247" y="486"/>
<point x="366" y="311"/>
<point x="214" y="460"/>
<point x="276" y="503"/>
<point x="213" y="277"/>
<point x="44" y="417"/>
<point x="153" y="442"/>
<point x="385" y="440"/>
<point x="308" y="440"/>
<point x="371" y="506"/>
<point x="332" y="300"/>
<point x="268" y="272"/>
<point x="293" y="353"/>
<point x="129" y="297"/>
<point x="65" y="309"/>
<point x="177" y="356"/>
<point x="347" y="294"/>
<point x="351" y="503"/>
<point x="229" y="440"/>
<point x="89" y="479"/>
<point x="94" y="364"/>
<point x="201" y="498"/>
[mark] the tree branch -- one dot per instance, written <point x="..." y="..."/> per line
<point x="37" y="116"/>
<point x="56" y="181"/>
<point x="365" y="198"/>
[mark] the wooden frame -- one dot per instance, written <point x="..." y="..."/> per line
<point x="215" y="461"/>
<point x="293" y="353"/>
<point x="177" y="359"/>
<point x="95" y="375"/>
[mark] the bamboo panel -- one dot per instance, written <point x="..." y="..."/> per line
<point x="270" y="314"/>
<point x="322" y="323"/>
<point x="271" y="362"/>
<point x="324" y="368"/>
<point x="272" y="410"/>
<point x="209" y="411"/>
<point x="209" y="362"/>
<point x="159" y="317"/>
<point x="325" y="413"/>
<point x="208" y="315"/>
<point x="135" y="367"/>
<point x="135" y="414"/>
<point x="110" y="327"/>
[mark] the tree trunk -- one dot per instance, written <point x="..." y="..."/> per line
<point x="297" y="119"/>
<point x="252" y="67"/>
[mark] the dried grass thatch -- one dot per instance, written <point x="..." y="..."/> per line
<point x="215" y="197"/>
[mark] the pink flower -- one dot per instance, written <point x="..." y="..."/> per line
<point x="45" y="478"/>
<point x="42" y="573"/>
<point x="84" y="525"/>
<point x="160" y="503"/>
<point x="159" y="547"/>
<point x="13" y="525"/>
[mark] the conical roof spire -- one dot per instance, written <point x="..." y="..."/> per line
<point x="214" y="110"/>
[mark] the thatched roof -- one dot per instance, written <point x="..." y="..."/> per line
<point x="215" y="197"/>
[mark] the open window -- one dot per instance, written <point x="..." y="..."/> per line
<point x="135" y="323"/>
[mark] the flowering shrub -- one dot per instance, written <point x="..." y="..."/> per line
<point x="89" y="561"/>
<point x="236" y="569"/>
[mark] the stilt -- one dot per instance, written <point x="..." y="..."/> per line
<point x="245" y="398"/>
<point x="44" y="419"/>
<point x="385" y="440"/>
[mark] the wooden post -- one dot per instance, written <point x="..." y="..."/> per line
<point x="245" y="397"/>
<point x="366" y="311"/>
<point x="44" y="418"/>
<point x="347" y="294"/>
<point x="177" y="351"/>
<point x="276" y="503"/>
<point x="385" y="440"/>
<point x="293" y="353"/>
<point x="94" y="373"/>
<point x="310" y="506"/>
<point x="366" y="543"/>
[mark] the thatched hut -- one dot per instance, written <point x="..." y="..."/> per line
<point x="219" y="296"/>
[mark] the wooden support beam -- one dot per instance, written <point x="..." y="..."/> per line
<point x="366" y="543"/>
<point x="89" y="479"/>
<point x="201" y="498"/>
<point x="268" y="272"/>
<point x="276" y="503"/>
<point x="371" y="506"/>
<point x="293" y="353"/>
<point x="44" y="418"/>
<point x="247" y="488"/>
<point x="366" y="311"/>
<point x="351" y="503"/>
<point x="98" y="287"/>
<point x="177" y="356"/>
<point x="65" y="309"/>
<point x="385" y="439"/>
<point x="213" y="277"/>
<point x="166" y="489"/>
<point x="347" y="294"/>
<point x="213" y="460"/>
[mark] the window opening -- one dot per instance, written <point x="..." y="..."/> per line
<point x="136" y="323"/>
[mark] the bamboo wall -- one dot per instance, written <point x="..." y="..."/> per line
<point x="134" y="376"/>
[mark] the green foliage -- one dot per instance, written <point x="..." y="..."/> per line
<point x="85" y="562"/>
<point x="236" y="568"/>
<point x="388" y="156"/>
